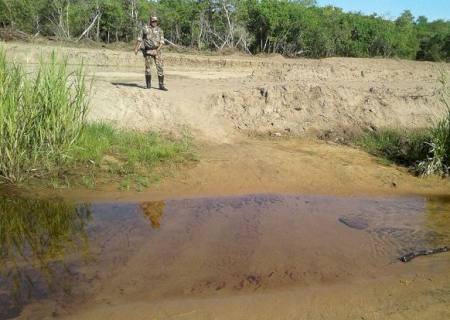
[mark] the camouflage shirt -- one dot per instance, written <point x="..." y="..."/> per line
<point x="151" y="38"/>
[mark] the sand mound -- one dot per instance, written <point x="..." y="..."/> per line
<point x="219" y="97"/>
<point x="299" y="108"/>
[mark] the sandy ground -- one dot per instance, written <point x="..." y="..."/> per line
<point x="221" y="98"/>
<point x="293" y="166"/>
<point x="226" y="102"/>
<point x="255" y="123"/>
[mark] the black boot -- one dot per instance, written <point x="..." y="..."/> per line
<point x="161" y="84"/>
<point x="148" y="81"/>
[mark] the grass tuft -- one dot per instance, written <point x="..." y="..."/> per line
<point x="398" y="146"/>
<point x="103" y="151"/>
<point x="425" y="151"/>
<point x="41" y="116"/>
<point x="438" y="159"/>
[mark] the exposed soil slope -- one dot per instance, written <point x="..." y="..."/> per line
<point x="217" y="97"/>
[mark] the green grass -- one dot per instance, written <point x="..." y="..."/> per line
<point x="103" y="152"/>
<point x="438" y="160"/>
<point x="425" y="151"/>
<point x="44" y="134"/>
<point x="397" y="146"/>
<point x="125" y="151"/>
<point x="41" y="116"/>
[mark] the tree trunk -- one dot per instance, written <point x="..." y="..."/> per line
<point x="88" y="29"/>
<point x="230" y="35"/>
<point x="67" y="18"/>
<point x="265" y="44"/>
<point x="98" y="28"/>
<point x="261" y="49"/>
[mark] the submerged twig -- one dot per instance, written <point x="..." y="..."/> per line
<point x="408" y="257"/>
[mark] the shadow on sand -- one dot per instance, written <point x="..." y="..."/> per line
<point x="125" y="84"/>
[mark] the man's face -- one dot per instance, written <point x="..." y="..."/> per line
<point x="153" y="23"/>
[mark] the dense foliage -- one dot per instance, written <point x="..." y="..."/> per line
<point x="296" y="27"/>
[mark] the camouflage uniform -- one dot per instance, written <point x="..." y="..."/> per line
<point x="151" y="38"/>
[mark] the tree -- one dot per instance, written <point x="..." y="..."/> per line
<point x="406" y="42"/>
<point x="289" y="27"/>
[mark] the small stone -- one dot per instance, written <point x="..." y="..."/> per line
<point x="405" y="282"/>
<point x="354" y="223"/>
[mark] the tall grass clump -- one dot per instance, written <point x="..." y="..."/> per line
<point x="425" y="151"/>
<point x="398" y="146"/>
<point x="41" y="116"/>
<point x="438" y="159"/>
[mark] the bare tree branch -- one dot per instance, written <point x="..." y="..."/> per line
<point x="90" y="27"/>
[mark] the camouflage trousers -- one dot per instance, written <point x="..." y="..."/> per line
<point x="158" y="63"/>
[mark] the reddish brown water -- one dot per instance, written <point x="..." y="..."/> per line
<point x="60" y="259"/>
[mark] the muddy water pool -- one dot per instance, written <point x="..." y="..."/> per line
<point x="57" y="257"/>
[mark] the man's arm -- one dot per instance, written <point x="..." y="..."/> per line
<point x="161" y="42"/>
<point x="138" y="42"/>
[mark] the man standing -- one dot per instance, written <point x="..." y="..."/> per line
<point x="150" y="41"/>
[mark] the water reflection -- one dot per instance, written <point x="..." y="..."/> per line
<point x="405" y="225"/>
<point x="154" y="211"/>
<point x="37" y="240"/>
<point x="437" y="218"/>
<point x="202" y="246"/>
